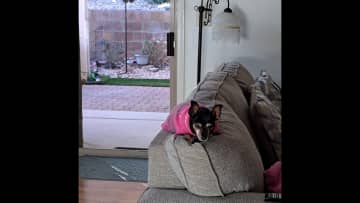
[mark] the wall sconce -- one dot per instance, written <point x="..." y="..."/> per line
<point x="226" y="26"/>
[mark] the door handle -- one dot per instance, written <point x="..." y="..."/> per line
<point x="170" y="43"/>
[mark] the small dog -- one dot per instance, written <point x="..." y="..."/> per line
<point x="195" y="122"/>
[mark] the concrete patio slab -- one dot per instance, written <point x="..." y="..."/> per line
<point x="111" y="129"/>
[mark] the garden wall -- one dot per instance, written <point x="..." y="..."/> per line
<point x="109" y="26"/>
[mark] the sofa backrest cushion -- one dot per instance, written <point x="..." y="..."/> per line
<point x="223" y="88"/>
<point x="240" y="74"/>
<point x="228" y="162"/>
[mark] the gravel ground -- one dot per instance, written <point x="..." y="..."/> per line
<point x="136" y="71"/>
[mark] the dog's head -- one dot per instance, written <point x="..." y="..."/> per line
<point x="202" y="120"/>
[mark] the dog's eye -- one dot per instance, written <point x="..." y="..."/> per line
<point x="198" y="125"/>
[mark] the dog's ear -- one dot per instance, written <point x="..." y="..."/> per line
<point x="217" y="111"/>
<point x="194" y="108"/>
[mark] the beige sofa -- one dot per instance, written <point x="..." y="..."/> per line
<point x="228" y="167"/>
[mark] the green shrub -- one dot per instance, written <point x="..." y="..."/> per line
<point x="112" y="51"/>
<point x="156" y="50"/>
<point x="91" y="77"/>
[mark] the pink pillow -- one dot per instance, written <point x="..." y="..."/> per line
<point x="273" y="178"/>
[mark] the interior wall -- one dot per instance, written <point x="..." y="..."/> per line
<point x="259" y="47"/>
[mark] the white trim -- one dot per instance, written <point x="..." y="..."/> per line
<point x="173" y="65"/>
<point x="180" y="49"/>
<point x="84" y="38"/>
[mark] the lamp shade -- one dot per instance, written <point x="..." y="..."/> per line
<point x="226" y="27"/>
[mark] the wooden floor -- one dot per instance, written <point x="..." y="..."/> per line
<point x="99" y="191"/>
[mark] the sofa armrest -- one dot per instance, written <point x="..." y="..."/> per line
<point x="160" y="173"/>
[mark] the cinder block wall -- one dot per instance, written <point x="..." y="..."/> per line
<point x="109" y="25"/>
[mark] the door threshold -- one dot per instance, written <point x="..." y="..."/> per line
<point x="140" y="153"/>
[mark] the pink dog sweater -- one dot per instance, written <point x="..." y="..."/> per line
<point x="178" y="120"/>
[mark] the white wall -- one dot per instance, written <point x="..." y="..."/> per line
<point x="260" y="44"/>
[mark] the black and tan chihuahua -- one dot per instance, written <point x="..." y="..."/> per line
<point x="203" y="122"/>
<point x="194" y="121"/>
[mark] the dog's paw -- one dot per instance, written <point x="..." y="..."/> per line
<point x="189" y="139"/>
<point x="195" y="140"/>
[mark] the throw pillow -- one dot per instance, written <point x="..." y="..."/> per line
<point x="272" y="177"/>
<point x="266" y="119"/>
<point x="271" y="90"/>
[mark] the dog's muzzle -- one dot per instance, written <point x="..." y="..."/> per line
<point x="199" y="135"/>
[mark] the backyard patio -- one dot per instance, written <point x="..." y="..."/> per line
<point x="126" y="98"/>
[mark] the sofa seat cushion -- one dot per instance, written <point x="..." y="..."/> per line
<point x="155" y="195"/>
